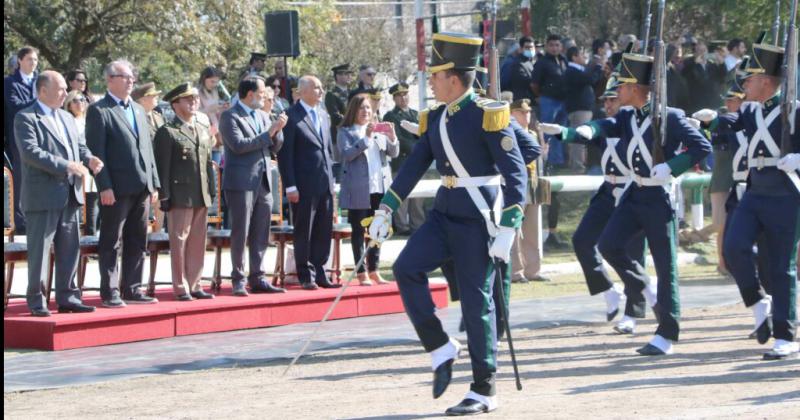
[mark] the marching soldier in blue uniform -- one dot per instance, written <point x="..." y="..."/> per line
<point x="474" y="220"/>
<point x="616" y="174"/>
<point x="771" y="203"/>
<point x="645" y="203"/>
<point x="737" y="142"/>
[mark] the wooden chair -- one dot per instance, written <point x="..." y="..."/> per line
<point x="89" y="246"/>
<point x="218" y="238"/>
<point x="157" y="243"/>
<point x="13" y="252"/>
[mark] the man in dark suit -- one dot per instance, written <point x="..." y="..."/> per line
<point x="250" y="139"/>
<point x="53" y="156"/>
<point x="117" y="133"/>
<point x="18" y="93"/>
<point x="305" y="164"/>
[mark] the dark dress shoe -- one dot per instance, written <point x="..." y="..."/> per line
<point x="764" y="331"/>
<point x="113" y="302"/>
<point x="265" y="287"/>
<point x="140" y="299"/>
<point x="40" y="312"/>
<point x="326" y="284"/>
<point x="75" y="308"/>
<point x="521" y="280"/>
<point x="611" y="315"/>
<point x="202" y="294"/>
<point x="184" y="297"/>
<point x="309" y="285"/>
<point x="467" y="407"/>
<point x="650" y="350"/>
<point x="238" y="288"/>
<point x="441" y="377"/>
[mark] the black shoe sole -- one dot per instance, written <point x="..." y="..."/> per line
<point x="772" y="356"/>
<point x="74" y="311"/>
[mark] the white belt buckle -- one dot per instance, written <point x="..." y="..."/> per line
<point x="638" y="179"/>
<point x="613" y="179"/>
<point x="760" y="162"/>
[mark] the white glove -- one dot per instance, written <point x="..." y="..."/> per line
<point x="551" y="129"/>
<point x="705" y="115"/>
<point x="661" y="172"/>
<point x="379" y="228"/>
<point x="410" y="127"/>
<point x="790" y="162"/>
<point x="694" y="123"/>
<point x="585" y="131"/>
<point x="501" y="247"/>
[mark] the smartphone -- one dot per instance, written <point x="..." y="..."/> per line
<point x="383" y="128"/>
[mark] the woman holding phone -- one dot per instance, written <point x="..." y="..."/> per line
<point x="364" y="146"/>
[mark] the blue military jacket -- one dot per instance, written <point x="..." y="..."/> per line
<point x="763" y="179"/>
<point x="483" y="152"/>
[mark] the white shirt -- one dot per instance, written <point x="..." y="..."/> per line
<point x="576" y="66"/>
<point x="308" y="108"/>
<point x="731" y="61"/>
<point x="62" y="132"/>
<point x="27" y="78"/>
<point x="373" y="154"/>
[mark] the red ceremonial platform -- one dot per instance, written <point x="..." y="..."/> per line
<point x="170" y="318"/>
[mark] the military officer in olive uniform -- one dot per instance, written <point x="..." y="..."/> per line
<point x="770" y="205"/>
<point x="147" y="95"/>
<point x="411" y="214"/>
<point x="336" y="100"/>
<point x="476" y="214"/>
<point x="183" y="159"/>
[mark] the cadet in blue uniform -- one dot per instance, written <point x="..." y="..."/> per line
<point x="474" y="149"/>
<point x="771" y="203"/>
<point x="645" y="204"/>
<point x="737" y="143"/>
<point x="584" y="241"/>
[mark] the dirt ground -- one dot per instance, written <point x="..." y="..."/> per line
<point x="569" y="371"/>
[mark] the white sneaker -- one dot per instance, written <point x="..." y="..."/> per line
<point x="626" y="325"/>
<point x="782" y="349"/>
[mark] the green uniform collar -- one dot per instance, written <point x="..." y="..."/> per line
<point x="461" y="102"/>
<point x="773" y="101"/>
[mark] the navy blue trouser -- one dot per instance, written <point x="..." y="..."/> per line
<point x="584" y="241"/>
<point x="646" y="209"/>
<point x="777" y="217"/>
<point x="761" y="257"/>
<point x="465" y="241"/>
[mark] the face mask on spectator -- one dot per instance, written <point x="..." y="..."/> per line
<point x="527" y="53"/>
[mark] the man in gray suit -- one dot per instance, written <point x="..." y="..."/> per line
<point x="53" y="155"/>
<point x="117" y="133"/>
<point x="250" y="140"/>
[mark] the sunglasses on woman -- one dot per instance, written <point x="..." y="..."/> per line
<point x="80" y="100"/>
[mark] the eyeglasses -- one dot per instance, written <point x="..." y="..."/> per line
<point x="80" y="80"/>
<point x="79" y="100"/>
<point x="127" y="77"/>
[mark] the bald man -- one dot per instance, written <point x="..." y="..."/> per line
<point x="305" y="163"/>
<point x="54" y="160"/>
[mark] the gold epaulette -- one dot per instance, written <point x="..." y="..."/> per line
<point x="423" y="118"/>
<point x="496" y="114"/>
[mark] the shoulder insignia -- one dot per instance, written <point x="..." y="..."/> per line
<point x="423" y="117"/>
<point x="496" y="114"/>
<point x="507" y="143"/>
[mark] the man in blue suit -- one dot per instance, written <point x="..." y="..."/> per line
<point x="474" y="220"/>
<point x="18" y="93"/>
<point x="305" y="163"/>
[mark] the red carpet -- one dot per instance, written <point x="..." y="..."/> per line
<point x="170" y="318"/>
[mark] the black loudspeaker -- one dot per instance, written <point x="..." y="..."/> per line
<point x="282" y="33"/>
